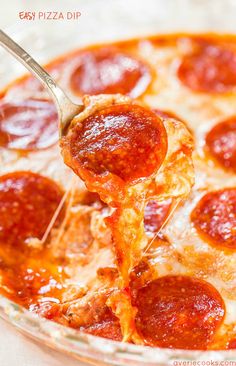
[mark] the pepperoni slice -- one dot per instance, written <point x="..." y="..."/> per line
<point x="179" y="312"/>
<point x="155" y="215"/>
<point x="232" y="344"/>
<point x="109" y="71"/>
<point x="107" y="329"/>
<point x="221" y="143"/>
<point x="211" y="68"/>
<point x="27" y="204"/>
<point x="214" y="217"/>
<point x="28" y="125"/>
<point x="118" y="140"/>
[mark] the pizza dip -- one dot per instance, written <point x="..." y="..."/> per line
<point x="126" y="227"/>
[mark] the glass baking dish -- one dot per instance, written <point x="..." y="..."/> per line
<point x="103" y="21"/>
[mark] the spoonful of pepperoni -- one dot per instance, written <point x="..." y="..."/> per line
<point x="66" y="108"/>
<point x="128" y="155"/>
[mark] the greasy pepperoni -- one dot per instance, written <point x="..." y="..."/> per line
<point x="155" y="215"/>
<point x="27" y="204"/>
<point x="109" y="71"/>
<point x="232" y="344"/>
<point x="179" y="312"/>
<point x="126" y="140"/>
<point x="211" y="68"/>
<point x="28" y="125"/>
<point x="214" y="217"/>
<point x="30" y="280"/>
<point x="221" y="143"/>
<point x="107" y="329"/>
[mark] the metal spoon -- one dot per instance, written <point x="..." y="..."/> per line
<point x="66" y="109"/>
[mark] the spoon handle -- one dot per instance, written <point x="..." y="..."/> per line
<point x="66" y="109"/>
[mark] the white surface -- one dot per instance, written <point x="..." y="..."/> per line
<point x="18" y="350"/>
